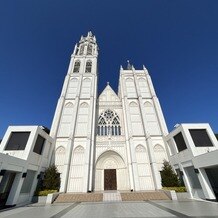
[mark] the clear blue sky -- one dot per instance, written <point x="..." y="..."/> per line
<point x="176" y="40"/>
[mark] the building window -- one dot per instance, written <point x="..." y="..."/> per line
<point x="200" y="138"/>
<point x="180" y="142"/>
<point x="17" y="141"/>
<point x="89" y="49"/>
<point x="76" y="67"/>
<point x="109" y="124"/>
<point x="39" y="145"/>
<point x="81" y="49"/>
<point x="88" y="67"/>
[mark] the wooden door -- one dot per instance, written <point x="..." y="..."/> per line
<point x="110" y="179"/>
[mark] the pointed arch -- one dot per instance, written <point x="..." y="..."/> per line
<point x="141" y="80"/>
<point x="81" y="51"/>
<point x="59" y="158"/>
<point x="158" y="148"/>
<point x="133" y="104"/>
<point x="111" y="160"/>
<point x="79" y="149"/>
<point x="129" y="80"/>
<point x="68" y="105"/>
<point x="102" y="159"/>
<point x="109" y="123"/>
<point x="87" y="80"/>
<point x="84" y="105"/>
<point x="89" y="49"/>
<point x="76" y="66"/>
<point x="73" y="79"/>
<point x="140" y="148"/>
<point x="148" y="104"/>
<point x="88" y="66"/>
<point x="60" y="149"/>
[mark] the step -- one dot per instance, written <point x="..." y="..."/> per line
<point x="112" y="196"/>
<point x="81" y="197"/>
<point x="144" y="196"/>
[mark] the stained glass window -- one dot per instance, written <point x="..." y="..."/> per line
<point x="108" y="124"/>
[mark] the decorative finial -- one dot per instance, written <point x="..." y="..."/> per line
<point x="90" y="34"/>
<point x="129" y="67"/>
<point x="108" y="83"/>
<point x="145" y="69"/>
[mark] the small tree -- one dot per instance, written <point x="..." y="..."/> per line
<point x="169" y="177"/>
<point x="51" y="178"/>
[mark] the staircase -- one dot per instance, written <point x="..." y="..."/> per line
<point x="111" y="196"/>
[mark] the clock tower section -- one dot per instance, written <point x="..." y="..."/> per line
<point x="73" y="126"/>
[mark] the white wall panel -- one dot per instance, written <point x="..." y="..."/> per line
<point x="86" y="88"/>
<point x="72" y="88"/>
<point x="130" y="88"/>
<point x="160" y="155"/>
<point x="144" y="89"/>
<point x="82" y="120"/>
<point x="144" y="171"/>
<point x="75" y="182"/>
<point x="66" y="120"/>
<point x="136" y="122"/>
<point x="151" y="118"/>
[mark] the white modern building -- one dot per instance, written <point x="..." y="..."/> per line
<point x="110" y="141"/>
<point x="193" y="152"/>
<point x="25" y="152"/>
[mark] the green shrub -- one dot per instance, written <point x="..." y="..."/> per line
<point x="49" y="183"/>
<point x="176" y="189"/>
<point x="45" y="192"/>
<point x="168" y="176"/>
<point x="51" y="179"/>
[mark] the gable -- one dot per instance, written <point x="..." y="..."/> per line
<point x="108" y="94"/>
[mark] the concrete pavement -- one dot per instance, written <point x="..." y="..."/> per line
<point x="149" y="209"/>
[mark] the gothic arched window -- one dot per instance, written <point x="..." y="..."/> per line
<point x="76" y="67"/>
<point x="81" y="49"/>
<point x="89" y="49"/>
<point x="108" y="124"/>
<point x="88" y="67"/>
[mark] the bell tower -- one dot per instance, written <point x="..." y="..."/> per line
<point x="73" y="126"/>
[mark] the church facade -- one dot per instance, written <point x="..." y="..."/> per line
<point x="108" y="141"/>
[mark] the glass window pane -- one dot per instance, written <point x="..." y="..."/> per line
<point x="17" y="141"/>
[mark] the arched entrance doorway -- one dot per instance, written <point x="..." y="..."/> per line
<point x="111" y="172"/>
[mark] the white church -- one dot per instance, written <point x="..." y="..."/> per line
<point x="111" y="141"/>
<point x="108" y="141"/>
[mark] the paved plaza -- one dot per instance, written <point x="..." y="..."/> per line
<point x="164" y="208"/>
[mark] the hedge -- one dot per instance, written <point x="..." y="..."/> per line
<point x="45" y="192"/>
<point x="176" y="189"/>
